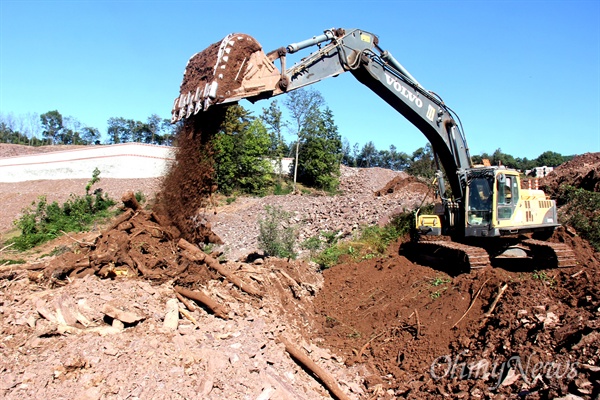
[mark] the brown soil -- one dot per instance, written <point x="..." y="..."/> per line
<point x="401" y="319"/>
<point x="400" y="183"/>
<point x="201" y="67"/>
<point x="582" y="171"/>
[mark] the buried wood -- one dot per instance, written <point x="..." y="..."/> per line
<point x="319" y="372"/>
<point x="121" y="218"/>
<point x="130" y="201"/>
<point x="205" y="300"/>
<point x="470" y="305"/>
<point x="193" y="253"/>
<point x="495" y="302"/>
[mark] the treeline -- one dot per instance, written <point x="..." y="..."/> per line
<point x="51" y="128"/>
<point x="421" y="161"/>
<point x="248" y="148"/>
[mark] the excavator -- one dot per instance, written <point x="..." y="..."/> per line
<point x="486" y="215"/>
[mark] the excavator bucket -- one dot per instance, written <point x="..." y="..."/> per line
<point x="227" y="71"/>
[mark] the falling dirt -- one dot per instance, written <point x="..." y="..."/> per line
<point x="190" y="183"/>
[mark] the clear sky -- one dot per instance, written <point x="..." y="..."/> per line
<point x="523" y="76"/>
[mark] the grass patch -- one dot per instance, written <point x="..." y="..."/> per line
<point x="371" y="242"/>
<point x="542" y="276"/>
<point x="8" y="261"/>
<point x="439" y="281"/>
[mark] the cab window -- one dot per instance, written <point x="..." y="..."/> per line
<point x="507" y="188"/>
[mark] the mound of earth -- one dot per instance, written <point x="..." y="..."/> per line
<point x="399" y="183"/>
<point x="582" y="171"/>
<point x="419" y="330"/>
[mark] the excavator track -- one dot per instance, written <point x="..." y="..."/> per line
<point x="470" y="256"/>
<point x="555" y="254"/>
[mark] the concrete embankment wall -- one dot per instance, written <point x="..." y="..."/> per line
<point x="123" y="161"/>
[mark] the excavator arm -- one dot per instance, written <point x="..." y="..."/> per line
<point x="236" y="68"/>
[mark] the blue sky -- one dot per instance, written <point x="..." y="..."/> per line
<point x="523" y="76"/>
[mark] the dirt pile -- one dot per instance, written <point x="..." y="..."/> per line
<point x="582" y="171"/>
<point x="137" y="243"/>
<point x="401" y="183"/>
<point x="344" y="213"/>
<point x="426" y="334"/>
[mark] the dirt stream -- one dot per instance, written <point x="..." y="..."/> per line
<point x="112" y="318"/>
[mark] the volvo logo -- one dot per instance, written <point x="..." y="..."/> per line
<point x="403" y="90"/>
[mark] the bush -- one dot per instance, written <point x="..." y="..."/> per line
<point x="372" y="241"/>
<point x="277" y="235"/>
<point x="582" y="212"/>
<point x="43" y="222"/>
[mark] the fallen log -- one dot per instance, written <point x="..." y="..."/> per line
<point x="193" y="253"/>
<point x="25" y="267"/>
<point x="140" y="265"/>
<point x="188" y="304"/>
<point x="217" y="309"/>
<point x="319" y="372"/>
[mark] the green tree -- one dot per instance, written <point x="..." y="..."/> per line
<point x="550" y="159"/>
<point x="500" y="158"/>
<point x="368" y="156"/>
<point x="422" y="163"/>
<point x="90" y="135"/>
<point x="272" y="118"/>
<point x="303" y="105"/>
<point x="52" y="126"/>
<point x="118" y="130"/>
<point x="398" y="159"/>
<point x="348" y="158"/>
<point x="240" y="148"/>
<point x="320" y="153"/>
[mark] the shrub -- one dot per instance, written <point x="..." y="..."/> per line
<point x="43" y="222"/>
<point x="372" y="241"/>
<point x="582" y="212"/>
<point x="277" y="235"/>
